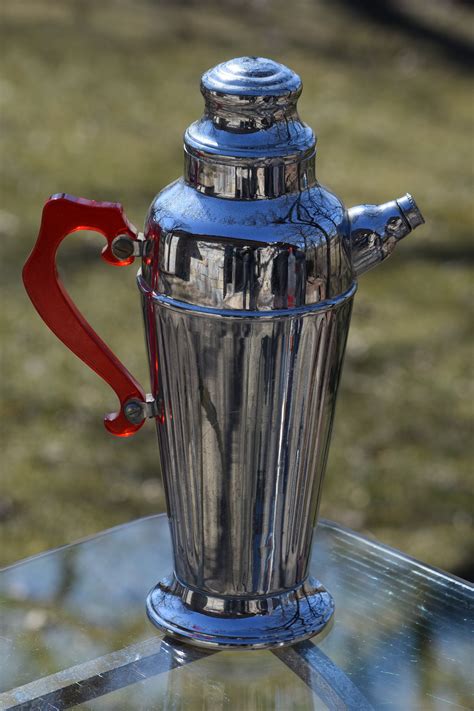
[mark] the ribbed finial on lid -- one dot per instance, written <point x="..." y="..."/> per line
<point x="249" y="77"/>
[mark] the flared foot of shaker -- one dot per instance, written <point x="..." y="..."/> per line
<point x="217" y="622"/>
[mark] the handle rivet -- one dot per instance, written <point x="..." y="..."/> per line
<point x="122" y="247"/>
<point x="133" y="411"/>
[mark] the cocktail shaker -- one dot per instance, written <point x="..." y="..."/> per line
<point x="248" y="272"/>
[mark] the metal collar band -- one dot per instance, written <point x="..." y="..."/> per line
<point x="256" y="180"/>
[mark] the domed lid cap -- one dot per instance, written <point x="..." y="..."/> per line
<point x="250" y="77"/>
<point x="250" y="143"/>
<point x="250" y="111"/>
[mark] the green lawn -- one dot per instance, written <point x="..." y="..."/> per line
<point x="95" y="99"/>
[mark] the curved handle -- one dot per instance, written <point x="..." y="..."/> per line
<point x="63" y="214"/>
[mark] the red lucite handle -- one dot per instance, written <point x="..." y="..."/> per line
<point x="63" y="214"/>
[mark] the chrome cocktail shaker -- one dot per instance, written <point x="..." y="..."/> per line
<point x="249" y="269"/>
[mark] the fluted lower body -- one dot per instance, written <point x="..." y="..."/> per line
<point x="247" y="405"/>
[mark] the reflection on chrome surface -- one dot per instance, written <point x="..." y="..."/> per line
<point x="278" y="254"/>
<point x="243" y="622"/>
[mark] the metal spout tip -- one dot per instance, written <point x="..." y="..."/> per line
<point x="410" y="211"/>
<point x="377" y="229"/>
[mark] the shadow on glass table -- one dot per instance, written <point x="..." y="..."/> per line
<point x="75" y="634"/>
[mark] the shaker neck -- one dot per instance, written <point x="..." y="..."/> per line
<point x="256" y="179"/>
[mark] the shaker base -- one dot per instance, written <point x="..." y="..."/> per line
<point x="240" y="622"/>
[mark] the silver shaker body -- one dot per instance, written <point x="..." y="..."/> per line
<point x="247" y="283"/>
<point x="246" y="339"/>
<point x="247" y="408"/>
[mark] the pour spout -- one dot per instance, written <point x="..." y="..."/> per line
<point x="376" y="230"/>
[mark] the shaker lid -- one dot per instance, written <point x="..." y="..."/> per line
<point x="251" y="122"/>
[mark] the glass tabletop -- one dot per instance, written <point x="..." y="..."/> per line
<point x="74" y="634"/>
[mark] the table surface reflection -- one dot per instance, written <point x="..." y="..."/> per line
<point x="74" y="634"/>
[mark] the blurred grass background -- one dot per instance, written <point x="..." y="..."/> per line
<point x="95" y="98"/>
